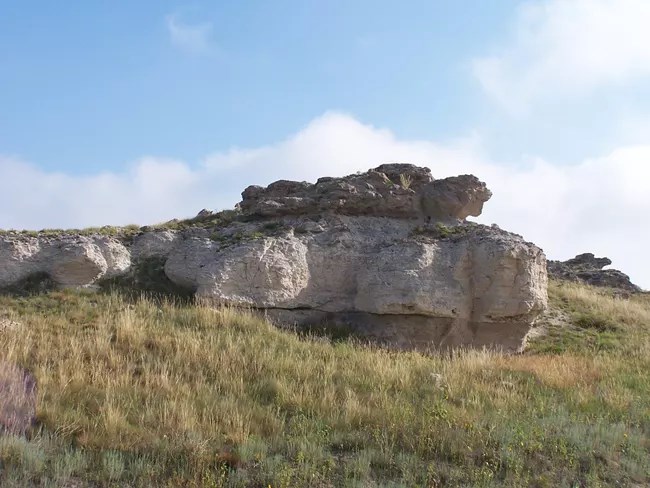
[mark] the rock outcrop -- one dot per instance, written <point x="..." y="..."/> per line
<point x="66" y="260"/>
<point x="386" y="253"/>
<point x="397" y="191"/>
<point x="586" y="268"/>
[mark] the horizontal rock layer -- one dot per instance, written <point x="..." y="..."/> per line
<point x="410" y="282"/>
<point x="390" y="190"/>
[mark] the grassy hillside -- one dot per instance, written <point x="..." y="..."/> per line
<point x="155" y="394"/>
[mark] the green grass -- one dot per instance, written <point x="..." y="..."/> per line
<point x="107" y="230"/>
<point x="147" y="393"/>
<point x="442" y="231"/>
<point x="213" y="221"/>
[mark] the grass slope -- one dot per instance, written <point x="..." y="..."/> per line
<point x="156" y="394"/>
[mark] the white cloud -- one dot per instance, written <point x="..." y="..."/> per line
<point x="598" y="205"/>
<point x="192" y="38"/>
<point x="568" y="48"/>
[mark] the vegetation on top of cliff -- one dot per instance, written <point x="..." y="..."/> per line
<point x="207" y="221"/>
<point x="144" y="392"/>
<point x="441" y="231"/>
<point x="107" y="230"/>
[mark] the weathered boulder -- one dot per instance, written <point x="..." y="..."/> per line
<point x="17" y="259"/>
<point x="457" y="197"/>
<point x="586" y="268"/>
<point x="391" y="190"/>
<point x="154" y="244"/>
<point x="68" y="260"/>
<point x="116" y="255"/>
<point x="76" y="264"/>
<point x="386" y="253"/>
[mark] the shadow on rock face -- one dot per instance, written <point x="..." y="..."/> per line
<point x="34" y="284"/>
<point x="147" y="278"/>
<point x="17" y="399"/>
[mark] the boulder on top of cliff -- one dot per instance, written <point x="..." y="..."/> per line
<point x="587" y="268"/>
<point x="391" y="190"/>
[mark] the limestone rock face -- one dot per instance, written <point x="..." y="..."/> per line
<point x="17" y="399"/>
<point x="153" y="245"/>
<point x="67" y="260"/>
<point x="381" y="277"/>
<point x="77" y="264"/>
<point x="586" y="268"/>
<point x="116" y="255"/>
<point x="386" y="253"/>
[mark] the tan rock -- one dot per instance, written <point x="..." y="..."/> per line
<point x="386" y="253"/>
<point x="67" y="260"/>
<point x="482" y="287"/>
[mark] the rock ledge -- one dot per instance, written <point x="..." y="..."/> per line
<point x="386" y="253"/>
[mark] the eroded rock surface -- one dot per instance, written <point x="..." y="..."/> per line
<point x="587" y="268"/>
<point x="67" y="260"/>
<point x="386" y="253"/>
<point x="383" y="278"/>
<point x="391" y="190"/>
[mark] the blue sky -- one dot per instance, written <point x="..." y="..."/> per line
<point x="101" y="83"/>
<point x="118" y="112"/>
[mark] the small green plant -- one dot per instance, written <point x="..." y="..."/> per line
<point x="273" y="226"/>
<point x="217" y="237"/>
<point x="593" y="321"/>
<point x="405" y="180"/>
<point x="113" y="465"/>
<point x="443" y="231"/>
<point x="440" y="230"/>
<point x="387" y="181"/>
<point x="211" y="221"/>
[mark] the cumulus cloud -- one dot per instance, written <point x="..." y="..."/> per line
<point x="568" y="48"/>
<point x="192" y="38"/>
<point x="596" y="205"/>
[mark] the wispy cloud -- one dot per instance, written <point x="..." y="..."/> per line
<point x="191" y="38"/>
<point x="568" y="48"/>
<point x="594" y="205"/>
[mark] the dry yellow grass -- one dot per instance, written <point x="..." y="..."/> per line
<point x="567" y="371"/>
<point x="149" y="393"/>
<point x="634" y="311"/>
